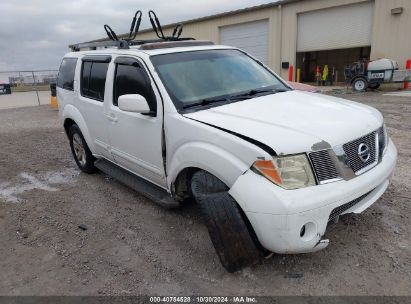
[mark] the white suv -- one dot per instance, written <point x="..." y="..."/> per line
<point x="270" y="167"/>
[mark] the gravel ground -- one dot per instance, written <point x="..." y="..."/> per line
<point x="132" y="246"/>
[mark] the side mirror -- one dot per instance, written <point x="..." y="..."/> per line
<point x="133" y="103"/>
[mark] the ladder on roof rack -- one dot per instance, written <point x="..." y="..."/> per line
<point x="130" y="40"/>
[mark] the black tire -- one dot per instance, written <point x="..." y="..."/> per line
<point x="360" y="84"/>
<point x="374" y="86"/>
<point x="227" y="228"/>
<point x="86" y="161"/>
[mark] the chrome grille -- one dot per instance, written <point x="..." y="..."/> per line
<point x="344" y="162"/>
<point x="341" y="209"/>
<point x="324" y="167"/>
<point x="351" y="150"/>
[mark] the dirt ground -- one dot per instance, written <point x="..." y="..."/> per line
<point x="134" y="247"/>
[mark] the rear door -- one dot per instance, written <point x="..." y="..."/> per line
<point x="91" y="101"/>
<point x="136" y="139"/>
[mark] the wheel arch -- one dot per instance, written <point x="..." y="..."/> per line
<point x="68" y="122"/>
<point x="72" y="115"/>
<point x="181" y="186"/>
<point x="208" y="157"/>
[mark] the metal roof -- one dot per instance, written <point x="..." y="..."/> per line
<point x="224" y="14"/>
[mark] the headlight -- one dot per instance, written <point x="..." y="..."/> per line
<point x="288" y="172"/>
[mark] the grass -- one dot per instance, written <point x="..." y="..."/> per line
<point x="42" y="87"/>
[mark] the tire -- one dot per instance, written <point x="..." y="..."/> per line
<point x="374" y="86"/>
<point x="359" y="84"/>
<point x="81" y="152"/>
<point x="227" y="228"/>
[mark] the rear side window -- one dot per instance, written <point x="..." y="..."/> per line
<point x="93" y="79"/>
<point x="65" y="79"/>
<point x="131" y="79"/>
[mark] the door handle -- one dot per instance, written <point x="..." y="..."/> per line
<point x="112" y="118"/>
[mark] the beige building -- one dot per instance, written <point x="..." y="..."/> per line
<point x="307" y="33"/>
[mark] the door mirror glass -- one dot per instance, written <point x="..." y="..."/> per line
<point x="133" y="103"/>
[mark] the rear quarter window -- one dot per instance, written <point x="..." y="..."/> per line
<point x="65" y="78"/>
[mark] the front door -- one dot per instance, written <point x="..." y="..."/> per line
<point x="136" y="139"/>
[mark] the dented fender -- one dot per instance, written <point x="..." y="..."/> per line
<point x="201" y="146"/>
<point x="215" y="160"/>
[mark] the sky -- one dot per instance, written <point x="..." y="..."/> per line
<point x="35" y="34"/>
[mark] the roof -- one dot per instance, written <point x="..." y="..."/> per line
<point x="135" y="50"/>
<point x="224" y="14"/>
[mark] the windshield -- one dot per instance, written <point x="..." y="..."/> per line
<point x="213" y="76"/>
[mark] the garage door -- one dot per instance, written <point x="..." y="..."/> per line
<point x="335" y="28"/>
<point x="251" y="37"/>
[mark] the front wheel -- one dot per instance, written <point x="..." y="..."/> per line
<point x="81" y="152"/>
<point x="227" y="226"/>
<point x="360" y="85"/>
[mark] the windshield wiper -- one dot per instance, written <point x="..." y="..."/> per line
<point x="205" y="102"/>
<point x="257" y="92"/>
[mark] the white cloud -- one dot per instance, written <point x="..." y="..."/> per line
<point x="42" y="44"/>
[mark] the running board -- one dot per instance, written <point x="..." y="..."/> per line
<point x="149" y="190"/>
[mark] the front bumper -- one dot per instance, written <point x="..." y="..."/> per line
<point x="278" y="215"/>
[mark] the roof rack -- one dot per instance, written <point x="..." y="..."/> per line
<point x="120" y="44"/>
<point x="125" y="43"/>
<point x="144" y="44"/>
<point x="170" y="44"/>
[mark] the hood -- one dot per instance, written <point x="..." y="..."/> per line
<point x="294" y="122"/>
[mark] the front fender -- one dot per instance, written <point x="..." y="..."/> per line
<point x="213" y="159"/>
<point x="71" y="112"/>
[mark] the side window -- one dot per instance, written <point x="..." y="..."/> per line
<point x="132" y="79"/>
<point x="93" y="79"/>
<point x="85" y="77"/>
<point x="65" y="78"/>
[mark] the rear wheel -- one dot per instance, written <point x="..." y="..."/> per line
<point x="226" y="225"/>
<point x="81" y="153"/>
<point x="360" y="84"/>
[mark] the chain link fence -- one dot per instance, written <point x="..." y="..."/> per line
<point x="23" y="88"/>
